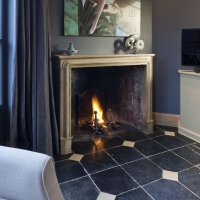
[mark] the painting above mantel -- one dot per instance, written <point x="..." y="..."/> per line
<point x="101" y="17"/>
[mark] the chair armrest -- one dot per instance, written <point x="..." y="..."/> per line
<point x="27" y="175"/>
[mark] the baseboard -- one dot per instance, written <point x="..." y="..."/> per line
<point x="166" y="119"/>
<point x="188" y="133"/>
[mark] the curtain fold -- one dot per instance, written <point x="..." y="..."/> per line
<point x="33" y="121"/>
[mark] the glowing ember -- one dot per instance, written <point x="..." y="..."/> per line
<point x="97" y="107"/>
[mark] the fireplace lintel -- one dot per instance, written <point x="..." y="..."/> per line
<point x="66" y="63"/>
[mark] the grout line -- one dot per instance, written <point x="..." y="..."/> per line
<point x="167" y="150"/>
<point x="159" y="128"/>
<point x="147" y="193"/>
<point x="184" y="140"/>
<point x="112" y="147"/>
<point x="156" y="136"/>
<point x="151" y="182"/>
<point x="156" y="164"/>
<point x="94" y="183"/>
<point x="129" y="175"/>
<point x="186" y="169"/>
<point x="118" y="165"/>
<point x="73" y="179"/>
<point x="133" y="161"/>
<point x="170" y="150"/>
<point x="182" y="158"/>
<point x="104" y="170"/>
<point x="129" y="190"/>
<point x="90" y="177"/>
<point x="159" y="143"/>
<point x="62" y="160"/>
<point x="195" y="144"/>
<point x="180" y="147"/>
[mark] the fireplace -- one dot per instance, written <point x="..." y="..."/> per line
<point x="124" y="80"/>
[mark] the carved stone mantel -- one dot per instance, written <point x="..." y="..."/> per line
<point x="66" y="63"/>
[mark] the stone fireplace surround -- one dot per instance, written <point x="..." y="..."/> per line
<point x="65" y="64"/>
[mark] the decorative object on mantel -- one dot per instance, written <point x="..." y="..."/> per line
<point x="71" y="51"/>
<point x="134" y="43"/>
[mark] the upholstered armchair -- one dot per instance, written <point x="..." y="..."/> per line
<point x="26" y="175"/>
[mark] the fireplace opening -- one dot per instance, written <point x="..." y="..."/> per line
<point x="118" y="92"/>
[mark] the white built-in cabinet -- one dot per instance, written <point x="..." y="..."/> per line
<point x="189" y="124"/>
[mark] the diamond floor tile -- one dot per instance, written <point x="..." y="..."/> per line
<point x="173" y="176"/>
<point x="76" y="157"/>
<point x="128" y="143"/>
<point x="106" y="196"/>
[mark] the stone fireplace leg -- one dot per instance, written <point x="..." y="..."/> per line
<point x="65" y="111"/>
<point x="65" y="145"/>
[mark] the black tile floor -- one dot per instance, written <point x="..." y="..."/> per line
<point x="164" y="165"/>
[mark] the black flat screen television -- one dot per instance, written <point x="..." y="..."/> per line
<point x="190" y="50"/>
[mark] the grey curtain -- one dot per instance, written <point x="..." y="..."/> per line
<point x="33" y="121"/>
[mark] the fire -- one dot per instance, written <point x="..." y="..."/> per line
<point x="97" y="107"/>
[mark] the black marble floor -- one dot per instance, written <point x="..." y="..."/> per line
<point x="132" y="166"/>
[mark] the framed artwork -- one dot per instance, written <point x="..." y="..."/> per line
<point x="101" y="17"/>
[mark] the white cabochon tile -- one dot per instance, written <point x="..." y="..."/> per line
<point x="128" y="144"/>
<point x="173" y="176"/>
<point x="106" y="196"/>
<point x="76" y="157"/>
<point x="169" y="133"/>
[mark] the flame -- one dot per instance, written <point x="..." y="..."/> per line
<point x="97" y="107"/>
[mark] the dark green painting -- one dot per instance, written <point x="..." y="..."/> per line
<point x="101" y="17"/>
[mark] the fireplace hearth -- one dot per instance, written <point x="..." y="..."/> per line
<point x="124" y="85"/>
